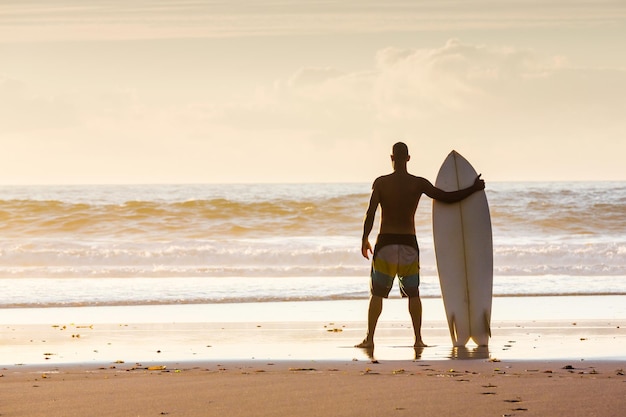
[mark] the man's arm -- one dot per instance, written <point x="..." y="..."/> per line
<point x="368" y="223"/>
<point x="454" y="196"/>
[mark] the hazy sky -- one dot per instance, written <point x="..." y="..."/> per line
<point x="110" y="91"/>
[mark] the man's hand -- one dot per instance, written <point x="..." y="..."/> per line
<point x="366" y="248"/>
<point x="479" y="184"/>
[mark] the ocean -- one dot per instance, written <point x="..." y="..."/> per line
<point x="80" y="245"/>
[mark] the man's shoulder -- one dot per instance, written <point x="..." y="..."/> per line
<point x="383" y="177"/>
<point x="394" y="176"/>
<point x="417" y="178"/>
<point x="383" y="180"/>
<point x="413" y="182"/>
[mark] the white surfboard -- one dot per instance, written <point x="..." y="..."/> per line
<point x="464" y="252"/>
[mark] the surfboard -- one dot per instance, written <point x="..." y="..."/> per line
<point x="464" y="253"/>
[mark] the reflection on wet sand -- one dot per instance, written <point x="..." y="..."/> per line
<point x="369" y="351"/>
<point x="479" y="352"/>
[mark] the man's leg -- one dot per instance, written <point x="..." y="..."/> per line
<point x="375" y="308"/>
<point x="415" y="309"/>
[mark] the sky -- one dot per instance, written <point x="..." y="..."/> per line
<point x="190" y="91"/>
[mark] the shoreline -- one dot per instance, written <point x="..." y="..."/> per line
<point x="528" y="328"/>
<point x="93" y="291"/>
<point x="282" y="300"/>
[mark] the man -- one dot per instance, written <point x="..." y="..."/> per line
<point x="396" y="251"/>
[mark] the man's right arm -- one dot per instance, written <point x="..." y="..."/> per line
<point x="368" y="223"/>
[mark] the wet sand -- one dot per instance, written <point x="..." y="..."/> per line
<point x="523" y="328"/>
<point x="567" y="358"/>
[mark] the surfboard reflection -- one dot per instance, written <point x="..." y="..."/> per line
<point x="479" y="352"/>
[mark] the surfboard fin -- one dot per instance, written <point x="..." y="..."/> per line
<point x="487" y="323"/>
<point x="452" y="326"/>
<point x="482" y="339"/>
<point x="454" y="334"/>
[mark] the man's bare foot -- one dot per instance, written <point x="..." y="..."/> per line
<point x="366" y="344"/>
<point x="420" y="344"/>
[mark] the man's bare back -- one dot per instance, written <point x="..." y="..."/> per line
<point x="398" y="195"/>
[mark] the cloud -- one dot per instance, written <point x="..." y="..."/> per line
<point x="452" y="77"/>
<point x="313" y="76"/>
<point x="498" y="99"/>
<point x="430" y="90"/>
<point x="405" y="85"/>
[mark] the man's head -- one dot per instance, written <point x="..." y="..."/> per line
<point x="400" y="153"/>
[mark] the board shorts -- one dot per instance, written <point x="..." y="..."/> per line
<point x="395" y="255"/>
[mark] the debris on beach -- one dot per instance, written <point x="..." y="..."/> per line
<point x="333" y="329"/>
<point x="516" y="400"/>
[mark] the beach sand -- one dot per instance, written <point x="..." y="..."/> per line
<point x="333" y="388"/>
<point x="558" y="356"/>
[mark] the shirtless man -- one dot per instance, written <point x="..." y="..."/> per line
<point x="396" y="251"/>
